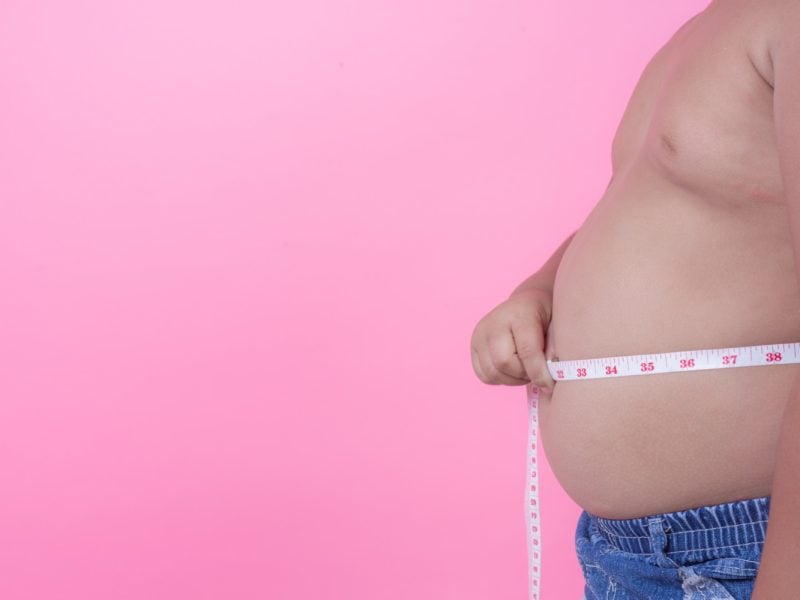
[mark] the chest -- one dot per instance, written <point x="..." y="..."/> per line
<point x="701" y="112"/>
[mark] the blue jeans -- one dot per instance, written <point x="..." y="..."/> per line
<point x="703" y="553"/>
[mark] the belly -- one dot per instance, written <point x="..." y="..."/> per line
<point x="656" y="269"/>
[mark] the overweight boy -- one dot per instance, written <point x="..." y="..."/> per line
<point x="694" y="244"/>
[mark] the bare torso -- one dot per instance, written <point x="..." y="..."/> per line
<point x="688" y="248"/>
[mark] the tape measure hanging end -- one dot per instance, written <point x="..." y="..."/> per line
<point x="532" y="509"/>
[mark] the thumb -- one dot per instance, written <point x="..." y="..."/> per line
<point x="540" y="375"/>
<point x="547" y="381"/>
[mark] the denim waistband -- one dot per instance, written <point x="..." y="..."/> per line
<point x="715" y="526"/>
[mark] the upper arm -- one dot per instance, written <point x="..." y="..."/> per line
<point x="785" y="55"/>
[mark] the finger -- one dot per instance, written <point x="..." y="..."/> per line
<point x="504" y="357"/>
<point x="476" y="364"/>
<point x="529" y="341"/>
<point x="500" y="363"/>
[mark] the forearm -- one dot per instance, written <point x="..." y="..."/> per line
<point x="543" y="278"/>
<point x="778" y="576"/>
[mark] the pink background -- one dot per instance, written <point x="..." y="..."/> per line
<point x="243" y="246"/>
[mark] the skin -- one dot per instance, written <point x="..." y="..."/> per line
<point x="695" y="244"/>
<point x="689" y="247"/>
<point x="778" y="576"/>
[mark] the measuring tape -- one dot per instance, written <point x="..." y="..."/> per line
<point x="622" y="366"/>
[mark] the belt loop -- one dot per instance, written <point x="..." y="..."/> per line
<point x="658" y="541"/>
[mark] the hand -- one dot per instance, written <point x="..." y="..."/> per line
<point x="508" y="344"/>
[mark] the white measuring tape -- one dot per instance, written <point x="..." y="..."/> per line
<point x="622" y="366"/>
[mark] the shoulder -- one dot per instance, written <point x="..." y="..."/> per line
<point x="781" y="28"/>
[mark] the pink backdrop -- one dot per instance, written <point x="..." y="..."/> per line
<point x="243" y="246"/>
